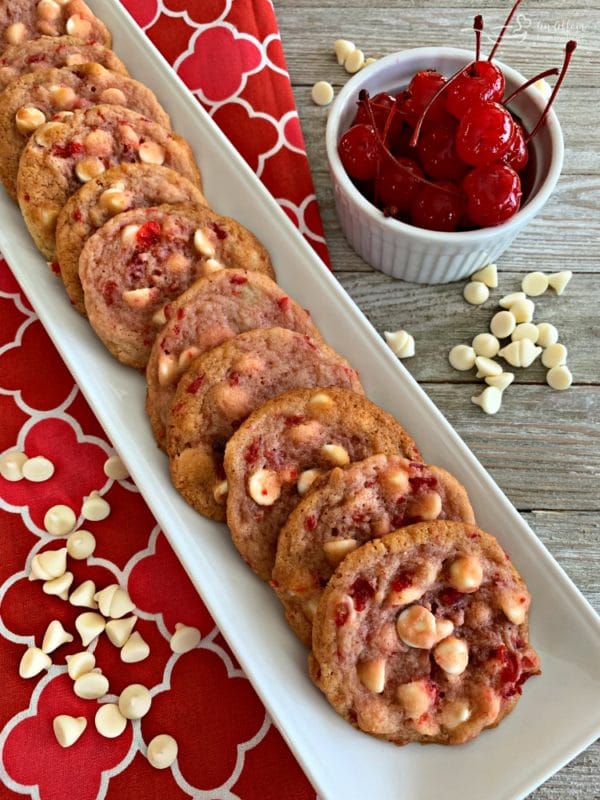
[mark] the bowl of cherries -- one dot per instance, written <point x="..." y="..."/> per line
<point x="439" y="158"/>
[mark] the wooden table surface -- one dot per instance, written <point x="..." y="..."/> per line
<point x="542" y="447"/>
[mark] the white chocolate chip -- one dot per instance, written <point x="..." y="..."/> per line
<point x="476" y="293"/>
<point x="264" y="487"/>
<point x="369" y="61"/>
<point x="81" y="544"/>
<point x="416" y="627"/>
<point x="129" y="234"/>
<point x="91" y="685"/>
<point x="510" y="299"/>
<point x="168" y="369"/>
<point x="49" y="564"/>
<point x="220" y="492"/>
<point x="83" y="595"/>
<point x="486" y="367"/>
<point x="152" y="153"/>
<point x="534" y="284"/>
<point x="210" y="266"/>
<point x="487" y="275"/>
<point x="203" y="244"/>
<point x="525" y="330"/>
<point x="372" y="674"/>
<point x="15" y="33"/>
<point x="89" y="168"/>
<point x="554" y="355"/>
<point x="59" y="586"/>
<point x="184" y="639"/>
<point x="95" y="508"/>
<point x="55" y="636"/>
<point x="337" y="549"/>
<point x="160" y="318"/>
<point x="426" y="506"/>
<point x="515" y="607"/>
<point x="489" y="400"/>
<point x="44" y="134"/>
<point x="335" y="454"/>
<point x="80" y="664"/>
<point x="59" y="520"/>
<point x="521" y="353"/>
<point x="502" y="324"/>
<point x="135" y="649"/>
<point x="89" y="625"/>
<point x="354" y="61"/>
<point x="401" y="342"/>
<point x="443" y="628"/>
<point x="397" y="480"/>
<point x="74" y="59"/>
<point x="320" y="401"/>
<point x="559" y="280"/>
<point x="28" y="119"/>
<point x="109" y="721"/>
<point x="113" y="601"/>
<point x="62" y="97"/>
<point x="322" y="93"/>
<point x="119" y="630"/>
<point x="67" y="729"/>
<point x="38" y="469"/>
<point x="452" y="655"/>
<point x="11" y="465"/>
<point x="140" y="298"/>
<point x="485" y="344"/>
<point x="78" y="26"/>
<point x="162" y="751"/>
<point x="523" y="310"/>
<point x="33" y="661"/>
<point x="462" y="357"/>
<point x="114" y="201"/>
<point x="186" y="357"/>
<point x="501" y="381"/>
<point x="559" y="378"/>
<point x="454" y="714"/>
<point x="465" y="574"/>
<point x="343" y="48"/>
<point x="135" y="701"/>
<point x="306" y="480"/>
<point x="547" y="334"/>
<point x="415" y="698"/>
<point x="113" y="96"/>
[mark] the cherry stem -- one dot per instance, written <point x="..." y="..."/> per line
<point x="546" y="74"/>
<point x="569" y="50"/>
<point x="478" y="27"/>
<point x="503" y="30"/>
<point x="417" y="131"/>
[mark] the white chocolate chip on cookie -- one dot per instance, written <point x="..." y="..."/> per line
<point x="264" y="487"/>
<point x="89" y="168"/>
<point x="416" y="698"/>
<point x="452" y="655"/>
<point x="465" y="574"/>
<point x="28" y="119"/>
<point x="152" y="153"/>
<point x="337" y="549"/>
<point x="335" y="454"/>
<point x="203" y="244"/>
<point x="306" y="480"/>
<point x="372" y="674"/>
<point x="416" y="627"/>
<point x="79" y="27"/>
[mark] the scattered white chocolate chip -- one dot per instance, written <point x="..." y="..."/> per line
<point x="49" y="564"/>
<point x="401" y="342"/>
<point x="452" y="655"/>
<point x="220" y="492"/>
<point x="521" y="353"/>
<point x="372" y="674"/>
<point x="476" y="293"/>
<point x="343" y="48"/>
<point x="502" y="324"/>
<point x="83" y="595"/>
<point x="59" y="586"/>
<point x="489" y="400"/>
<point x="534" y="284"/>
<point x="55" y="636"/>
<point x="486" y="367"/>
<point x="264" y="487"/>
<point x="487" y="275"/>
<point x="501" y="381"/>
<point x="203" y="244"/>
<point x="89" y="625"/>
<point x="559" y="378"/>
<point x="135" y="649"/>
<point x="33" y="661"/>
<point x="15" y="33"/>
<point x="81" y="544"/>
<point x="152" y="153"/>
<point x="525" y="330"/>
<point x="109" y="721"/>
<point x="114" y="201"/>
<point x="337" y="549"/>
<point x="416" y="627"/>
<point x="369" y="61"/>
<point x="547" y="334"/>
<point x="454" y="714"/>
<point x="335" y="454"/>
<point x="162" y="751"/>
<point x="135" y="701"/>
<point x="119" y="630"/>
<point x="485" y="344"/>
<point x="306" y="480"/>
<point x="80" y="664"/>
<point x="59" y="520"/>
<point x="38" y="469"/>
<point x="554" y="355"/>
<point x="354" y="61"/>
<point x="91" y="685"/>
<point x="462" y="357"/>
<point x="523" y="310"/>
<point x="559" y="280"/>
<point x="322" y="93"/>
<point x="28" y="119"/>
<point x="510" y="299"/>
<point x="113" y="601"/>
<point x="184" y="639"/>
<point x="67" y="729"/>
<point x="95" y="508"/>
<point x="89" y="168"/>
<point x="11" y="465"/>
<point x="465" y="574"/>
<point x="104" y="598"/>
<point x="415" y="698"/>
<point x="129" y="234"/>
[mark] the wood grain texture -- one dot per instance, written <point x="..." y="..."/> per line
<point x="543" y="447"/>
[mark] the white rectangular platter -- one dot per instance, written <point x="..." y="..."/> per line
<point x="559" y="714"/>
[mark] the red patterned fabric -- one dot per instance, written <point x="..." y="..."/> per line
<point x="230" y="55"/>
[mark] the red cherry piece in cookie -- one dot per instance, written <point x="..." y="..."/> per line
<point x="359" y="152"/>
<point x="484" y="134"/>
<point x="493" y="194"/>
<point x="481" y="81"/>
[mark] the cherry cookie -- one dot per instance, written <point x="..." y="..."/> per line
<point x="213" y="310"/>
<point x="423" y="636"/>
<point x="37" y="97"/>
<point x="22" y="20"/>
<point x="275" y="451"/>
<point x="62" y="155"/>
<point x="221" y="388"/>
<point x="116" y="190"/>
<point x="352" y="506"/>
<point x="48" y="51"/>
<point x="143" y="259"/>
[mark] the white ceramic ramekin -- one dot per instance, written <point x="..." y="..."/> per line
<point x="415" y="254"/>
